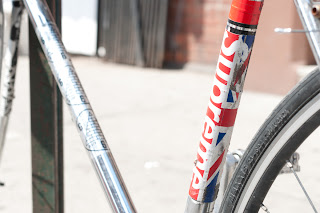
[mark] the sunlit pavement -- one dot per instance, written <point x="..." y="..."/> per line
<point x="152" y="120"/>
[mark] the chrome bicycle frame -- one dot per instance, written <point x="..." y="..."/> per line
<point x="72" y="91"/>
<point x="79" y="106"/>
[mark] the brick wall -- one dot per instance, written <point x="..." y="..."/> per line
<point x="195" y="30"/>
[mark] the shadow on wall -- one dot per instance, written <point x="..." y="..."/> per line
<point x="185" y="18"/>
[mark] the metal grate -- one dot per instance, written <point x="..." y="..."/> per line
<point x="133" y="32"/>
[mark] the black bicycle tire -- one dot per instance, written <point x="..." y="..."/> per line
<point x="286" y="111"/>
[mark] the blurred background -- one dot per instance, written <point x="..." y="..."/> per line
<point x="185" y="34"/>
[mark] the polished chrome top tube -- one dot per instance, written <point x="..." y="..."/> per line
<point x="78" y="104"/>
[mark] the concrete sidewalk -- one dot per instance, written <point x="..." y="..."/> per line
<point x="152" y="120"/>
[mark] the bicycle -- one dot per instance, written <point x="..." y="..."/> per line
<point x="297" y="116"/>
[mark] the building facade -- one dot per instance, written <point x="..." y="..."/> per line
<point x="195" y="29"/>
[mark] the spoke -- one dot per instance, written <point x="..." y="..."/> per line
<point x="302" y="187"/>
<point x="264" y="208"/>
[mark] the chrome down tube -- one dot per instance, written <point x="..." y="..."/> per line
<point x="311" y="25"/>
<point x="79" y="106"/>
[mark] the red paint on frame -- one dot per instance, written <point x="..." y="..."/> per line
<point x="246" y="11"/>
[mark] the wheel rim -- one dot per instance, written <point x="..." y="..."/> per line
<point x="281" y="139"/>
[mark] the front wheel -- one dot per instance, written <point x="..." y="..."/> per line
<point x="292" y="121"/>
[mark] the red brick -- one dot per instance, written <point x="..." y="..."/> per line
<point x="201" y="30"/>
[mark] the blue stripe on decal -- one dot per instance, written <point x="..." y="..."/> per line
<point x="210" y="190"/>
<point x="230" y="97"/>
<point x="248" y="39"/>
<point x="220" y="137"/>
